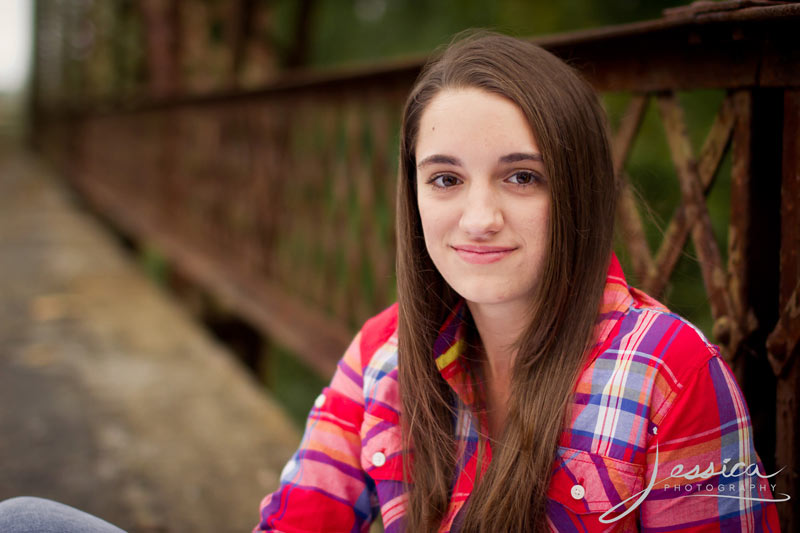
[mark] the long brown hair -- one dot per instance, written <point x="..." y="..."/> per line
<point x="570" y="129"/>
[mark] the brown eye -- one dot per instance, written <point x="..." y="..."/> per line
<point x="524" y="178"/>
<point x="444" y="181"/>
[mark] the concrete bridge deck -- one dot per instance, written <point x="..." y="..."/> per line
<point x="111" y="398"/>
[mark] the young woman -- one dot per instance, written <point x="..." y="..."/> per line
<point x="519" y="384"/>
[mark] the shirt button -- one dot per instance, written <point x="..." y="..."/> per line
<point x="655" y="430"/>
<point x="320" y="401"/>
<point x="378" y="459"/>
<point x="578" y="492"/>
<point x="288" y="469"/>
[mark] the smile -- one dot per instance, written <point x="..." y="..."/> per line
<point x="481" y="255"/>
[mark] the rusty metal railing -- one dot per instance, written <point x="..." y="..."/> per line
<point x="280" y="200"/>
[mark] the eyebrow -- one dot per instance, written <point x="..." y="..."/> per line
<point x="519" y="156"/>
<point x="450" y="160"/>
<point x="440" y="159"/>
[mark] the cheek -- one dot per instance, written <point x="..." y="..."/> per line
<point x="541" y="221"/>
<point x="434" y="222"/>
<point x="538" y="234"/>
<point x="537" y="225"/>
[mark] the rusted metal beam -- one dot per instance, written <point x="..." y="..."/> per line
<point x="627" y="130"/>
<point x="628" y="214"/>
<point x="755" y="206"/>
<point x="693" y="200"/>
<point x="754" y="247"/>
<point x="733" y="48"/>
<point x="782" y="343"/>
<point x="316" y="339"/>
<point x="161" y="35"/>
<point x="678" y="229"/>
<point x="784" y="339"/>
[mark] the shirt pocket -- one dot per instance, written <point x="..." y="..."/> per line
<point x="381" y="449"/>
<point x="584" y="486"/>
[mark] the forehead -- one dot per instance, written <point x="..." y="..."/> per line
<point x="464" y="120"/>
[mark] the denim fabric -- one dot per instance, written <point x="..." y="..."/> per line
<point x="36" y="515"/>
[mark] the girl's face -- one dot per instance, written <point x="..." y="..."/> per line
<point x="483" y="196"/>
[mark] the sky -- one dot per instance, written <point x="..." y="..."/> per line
<point x="15" y="43"/>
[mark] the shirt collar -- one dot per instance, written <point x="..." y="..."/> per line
<point x="448" y="349"/>
<point x="450" y="344"/>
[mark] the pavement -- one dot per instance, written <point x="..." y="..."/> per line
<point x="111" y="398"/>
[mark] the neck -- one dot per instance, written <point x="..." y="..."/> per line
<point x="499" y="327"/>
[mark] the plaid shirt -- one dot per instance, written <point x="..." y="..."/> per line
<point x="655" y="406"/>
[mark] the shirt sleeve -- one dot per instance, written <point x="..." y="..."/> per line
<point x="701" y="460"/>
<point x="323" y="486"/>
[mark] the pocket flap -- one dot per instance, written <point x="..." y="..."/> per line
<point x="591" y="483"/>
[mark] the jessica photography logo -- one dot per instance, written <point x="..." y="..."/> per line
<point x="738" y="481"/>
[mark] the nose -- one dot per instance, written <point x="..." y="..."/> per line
<point x="482" y="215"/>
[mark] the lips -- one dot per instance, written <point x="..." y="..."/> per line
<point x="481" y="255"/>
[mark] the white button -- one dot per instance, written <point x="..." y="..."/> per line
<point x="320" y="401"/>
<point x="655" y="430"/>
<point x="287" y="470"/>
<point x="578" y="492"/>
<point x="378" y="459"/>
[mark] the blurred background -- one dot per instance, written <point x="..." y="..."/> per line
<point x="16" y="32"/>
<point x="243" y="154"/>
<point x="124" y="54"/>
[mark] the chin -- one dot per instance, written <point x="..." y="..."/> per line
<point x="483" y="295"/>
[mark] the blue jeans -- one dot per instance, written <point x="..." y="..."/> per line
<point x="35" y="515"/>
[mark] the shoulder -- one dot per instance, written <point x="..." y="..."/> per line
<point x="378" y="351"/>
<point x="673" y="350"/>
<point x="378" y="343"/>
<point x="669" y="342"/>
<point x="378" y="330"/>
<point x="655" y="378"/>
<point x="636" y="375"/>
<point x="353" y="374"/>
